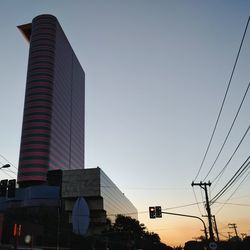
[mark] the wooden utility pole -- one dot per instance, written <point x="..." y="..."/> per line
<point x="233" y="226"/>
<point x="216" y="229"/>
<point x="204" y="185"/>
<point x="215" y="226"/>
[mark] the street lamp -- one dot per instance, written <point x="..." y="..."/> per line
<point x="5" y="166"/>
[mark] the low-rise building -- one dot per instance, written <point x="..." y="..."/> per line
<point x="73" y="202"/>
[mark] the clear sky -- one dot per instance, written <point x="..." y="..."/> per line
<point x="156" y="74"/>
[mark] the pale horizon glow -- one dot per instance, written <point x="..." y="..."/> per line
<point x="156" y="73"/>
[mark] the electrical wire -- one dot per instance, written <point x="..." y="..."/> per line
<point x="223" y="101"/>
<point x="203" y="198"/>
<point x="224" y="168"/>
<point x="197" y="201"/>
<point x="181" y="206"/>
<point x="147" y="188"/>
<point x="230" y="183"/>
<point x="234" y="204"/>
<point x="8" y="161"/>
<point x="5" y="171"/>
<point x="163" y="209"/>
<point x="231" y="127"/>
<point x="243" y="196"/>
<point x="226" y="202"/>
<point x="244" y="167"/>
<point x="11" y="176"/>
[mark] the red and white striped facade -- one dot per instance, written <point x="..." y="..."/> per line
<point x="53" y="119"/>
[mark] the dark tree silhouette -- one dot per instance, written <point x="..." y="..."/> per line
<point x="134" y="235"/>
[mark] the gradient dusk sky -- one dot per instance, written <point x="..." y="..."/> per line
<point x="156" y="73"/>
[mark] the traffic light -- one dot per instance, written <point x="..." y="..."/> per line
<point x="12" y="188"/>
<point x="152" y="214"/>
<point x="3" y="187"/>
<point x="158" y="213"/>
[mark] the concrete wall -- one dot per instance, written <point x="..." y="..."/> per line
<point x="81" y="183"/>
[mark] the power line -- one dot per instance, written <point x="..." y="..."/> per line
<point x="11" y="176"/>
<point x="8" y="161"/>
<point x="165" y="209"/>
<point x="197" y="201"/>
<point x="240" y="197"/>
<point x="5" y="171"/>
<point x="236" y="149"/>
<point x="181" y="206"/>
<point x="235" y="117"/>
<point x="8" y="172"/>
<point x="230" y="183"/>
<point x="234" y="204"/>
<point x="244" y="167"/>
<point x="147" y="188"/>
<point x="223" y="102"/>
<point x="226" y="202"/>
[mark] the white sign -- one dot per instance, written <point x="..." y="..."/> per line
<point x="212" y="245"/>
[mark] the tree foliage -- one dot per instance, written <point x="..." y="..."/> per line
<point x="134" y="235"/>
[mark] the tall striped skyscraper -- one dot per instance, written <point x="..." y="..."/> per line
<point x="53" y="119"/>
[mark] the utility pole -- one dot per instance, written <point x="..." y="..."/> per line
<point x="233" y="226"/>
<point x="216" y="228"/>
<point x="204" y="185"/>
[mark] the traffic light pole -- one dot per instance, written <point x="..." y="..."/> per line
<point x="190" y="216"/>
